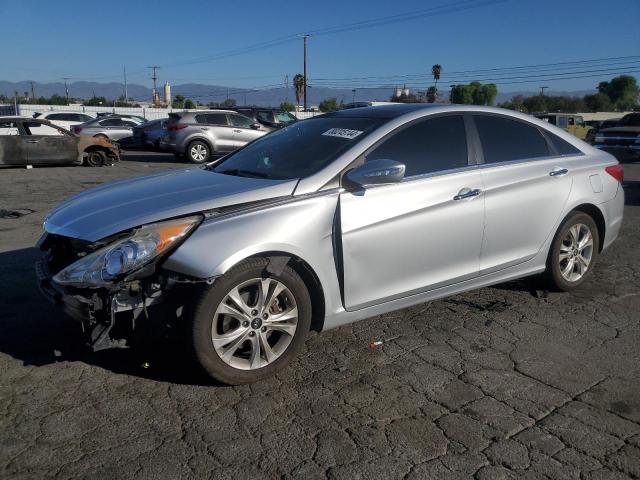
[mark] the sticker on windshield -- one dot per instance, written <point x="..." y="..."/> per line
<point x="342" y="133"/>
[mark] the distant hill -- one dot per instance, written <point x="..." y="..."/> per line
<point x="218" y="93"/>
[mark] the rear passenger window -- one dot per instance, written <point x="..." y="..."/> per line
<point x="426" y="147"/>
<point x="505" y="140"/>
<point x="112" y="122"/>
<point x="212" y="118"/>
<point x="562" y="146"/>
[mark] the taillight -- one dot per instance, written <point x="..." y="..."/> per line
<point x="177" y="126"/>
<point x="77" y="129"/>
<point x="616" y="171"/>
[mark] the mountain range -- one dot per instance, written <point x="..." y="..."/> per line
<point x="218" y="93"/>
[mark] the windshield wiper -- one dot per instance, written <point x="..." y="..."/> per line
<point x="243" y="173"/>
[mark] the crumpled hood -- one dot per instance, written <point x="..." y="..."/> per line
<point x="111" y="208"/>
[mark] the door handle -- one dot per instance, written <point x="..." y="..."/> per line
<point x="237" y="130"/>
<point x="33" y="141"/>
<point x="204" y="128"/>
<point x="467" y="193"/>
<point x="558" y="172"/>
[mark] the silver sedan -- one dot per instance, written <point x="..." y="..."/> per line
<point x="328" y="221"/>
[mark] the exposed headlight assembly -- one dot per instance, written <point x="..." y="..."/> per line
<point x="104" y="266"/>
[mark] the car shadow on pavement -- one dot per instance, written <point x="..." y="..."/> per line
<point x="149" y="157"/>
<point x="35" y="332"/>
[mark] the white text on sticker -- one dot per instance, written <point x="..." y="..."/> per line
<point x="342" y="133"/>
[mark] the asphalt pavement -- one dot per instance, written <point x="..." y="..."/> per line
<point x="503" y="382"/>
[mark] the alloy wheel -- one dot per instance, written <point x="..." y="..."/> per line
<point x="576" y="252"/>
<point x="198" y="152"/>
<point x="254" y="324"/>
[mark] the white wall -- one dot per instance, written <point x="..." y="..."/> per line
<point x="148" y="113"/>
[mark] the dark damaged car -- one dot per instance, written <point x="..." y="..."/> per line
<point x="19" y="146"/>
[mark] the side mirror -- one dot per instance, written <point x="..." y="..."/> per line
<point x="255" y="126"/>
<point x="377" y="172"/>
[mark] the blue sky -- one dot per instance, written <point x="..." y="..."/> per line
<point x="85" y="40"/>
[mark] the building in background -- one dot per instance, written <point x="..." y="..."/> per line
<point x="167" y="94"/>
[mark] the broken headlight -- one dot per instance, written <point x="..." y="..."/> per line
<point x="126" y="255"/>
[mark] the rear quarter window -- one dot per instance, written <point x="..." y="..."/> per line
<point x="505" y="140"/>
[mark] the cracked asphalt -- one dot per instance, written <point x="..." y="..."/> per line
<point x="504" y="382"/>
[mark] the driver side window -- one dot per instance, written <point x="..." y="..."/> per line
<point x="429" y="146"/>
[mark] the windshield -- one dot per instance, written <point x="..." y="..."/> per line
<point x="285" y="117"/>
<point x="299" y="150"/>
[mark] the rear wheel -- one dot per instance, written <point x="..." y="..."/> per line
<point x="96" y="158"/>
<point x="250" y="323"/>
<point x="573" y="252"/>
<point x="198" y="152"/>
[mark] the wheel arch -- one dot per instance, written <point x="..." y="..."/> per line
<point x="278" y="259"/>
<point x="199" y="138"/>
<point x="598" y="217"/>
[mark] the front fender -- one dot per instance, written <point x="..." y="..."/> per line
<point x="299" y="226"/>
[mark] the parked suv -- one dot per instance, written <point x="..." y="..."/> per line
<point x="270" y="118"/>
<point x="201" y="135"/>
<point x="62" y="119"/>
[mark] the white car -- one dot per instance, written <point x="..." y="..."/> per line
<point x="62" y="119"/>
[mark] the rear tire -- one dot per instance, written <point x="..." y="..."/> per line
<point x="250" y="323"/>
<point x="96" y="158"/>
<point x="198" y="152"/>
<point x="573" y="252"/>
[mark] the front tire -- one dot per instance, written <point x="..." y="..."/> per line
<point x="573" y="252"/>
<point x="96" y="158"/>
<point x="250" y="323"/>
<point x="198" y="152"/>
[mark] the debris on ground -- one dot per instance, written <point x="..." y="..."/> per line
<point x="375" y="344"/>
<point x="17" y="213"/>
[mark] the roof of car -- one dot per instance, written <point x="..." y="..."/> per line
<point x="382" y="111"/>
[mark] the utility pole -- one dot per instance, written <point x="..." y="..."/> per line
<point x="286" y="88"/>
<point x="33" y="94"/>
<point x="126" y="96"/>
<point x="354" y="95"/>
<point x="542" y="90"/>
<point x="66" y="88"/>
<point x="15" y="102"/>
<point x="154" y="77"/>
<point x="305" y="71"/>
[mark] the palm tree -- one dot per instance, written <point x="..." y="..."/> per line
<point x="298" y="83"/>
<point x="436" y="70"/>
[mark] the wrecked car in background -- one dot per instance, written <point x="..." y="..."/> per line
<point x="20" y="146"/>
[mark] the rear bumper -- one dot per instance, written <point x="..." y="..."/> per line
<point x="613" y="213"/>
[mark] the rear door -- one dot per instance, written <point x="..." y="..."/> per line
<point x="243" y="132"/>
<point x="216" y="127"/>
<point x="526" y="187"/>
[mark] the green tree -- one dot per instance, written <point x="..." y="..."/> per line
<point x="474" y="93"/>
<point x="178" y="101"/>
<point x="329" y="105"/>
<point x="432" y="93"/>
<point x="599" y="102"/>
<point x="436" y="71"/>
<point x="188" y="103"/>
<point x="59" y="100"/>
<point x="298" y="84"/>
<point x="287" y="107"/>
<point x="229" y="103"/>
<point x="622" y="90"/>
<point x="403" y="98"/>
<point x="92" y="102"/>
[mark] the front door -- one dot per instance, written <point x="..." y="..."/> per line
<point x="526" y="188"/>
<point x="49" y="149"/>
<point x="11" y="141"/>
<point x="243" y="132"/>
<point x="422" y="233"/>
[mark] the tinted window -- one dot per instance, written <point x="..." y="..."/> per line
<point x="552" y="120"/>
<point x="240" y="121"/>
<point x="57" y="116"/>
<point x="212" y="118"/>
<point x="562" y="146"/>
<point x="79" y="117"/>
<point x="504" y="140"/>
<point x="298" y="150"/>
<point x="632" y="120"/>
<point x="265" y="116"/>
<point x="428" y="146"/>
<point x="111" y="122"/>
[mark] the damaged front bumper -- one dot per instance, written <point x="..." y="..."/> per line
<point x="108" y="318"/>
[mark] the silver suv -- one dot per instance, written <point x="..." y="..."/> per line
<point x="201" y="135"/>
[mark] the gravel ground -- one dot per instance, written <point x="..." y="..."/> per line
<point x="504" y="382"/>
